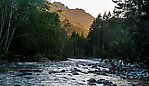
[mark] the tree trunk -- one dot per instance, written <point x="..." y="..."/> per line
<point x="11" y="38"/>
<point x="9" y="26"/>
<point x="3" y="18"/>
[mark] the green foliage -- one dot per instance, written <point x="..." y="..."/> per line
<point x="104" y="31"/>
<point x="78" y="44"/>
<point x="102" y="54"/>
<point x="33" y="29"/>
<point x="136" y="15"/>
<point x="39" y="30"/>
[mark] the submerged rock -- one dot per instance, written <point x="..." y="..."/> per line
<point x="91" y="81"/>
<point x="78" y="70"/>
<point x="50" y="72"/>
<point x="105" y="82"/>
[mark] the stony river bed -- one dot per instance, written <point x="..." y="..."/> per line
<point x="73" y="72"/>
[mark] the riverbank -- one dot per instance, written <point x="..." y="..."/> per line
<point x="37" y="58"/>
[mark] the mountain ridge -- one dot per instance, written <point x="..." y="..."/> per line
<point x="79" y="19"/>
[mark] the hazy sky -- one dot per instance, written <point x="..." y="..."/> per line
<point x="94" y="7"/>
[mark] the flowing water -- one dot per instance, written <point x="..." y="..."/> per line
<point x="57" y="73"/>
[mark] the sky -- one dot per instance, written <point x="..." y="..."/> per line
<point x="94" y="7"/>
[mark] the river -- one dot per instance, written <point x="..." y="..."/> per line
<point x="73" y="72"/>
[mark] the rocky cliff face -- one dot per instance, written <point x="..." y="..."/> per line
<point x="79" y="20"/>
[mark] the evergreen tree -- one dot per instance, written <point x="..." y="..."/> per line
<point x="136" y="17"/>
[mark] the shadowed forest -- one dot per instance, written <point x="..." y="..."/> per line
<point x="28" y="29"/>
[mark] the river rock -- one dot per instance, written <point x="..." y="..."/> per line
<point x="91" y="71"/>
<point x="63" y="70"/>
<point x="76" y="69"/>
<point x="17" y="85"/>
<point x="94" y="66"/>
<point x="117" y="73"/>
<point x="85" y="67"/>
<point x="27" y="73"/>
<point x="106" y="82"/>
<point x="105" y="70"/>
<point x="75" y="73"/>
<point x="138" y="84"/>
<point x="101" y="81"/>
<point x="69" y="74"/>
<point x="83" y="64"/>
<point x="92" y="80"/>
<point x="123" y="77"/>
<point x="50" y="72"/>
<point x="110" y="83"/>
